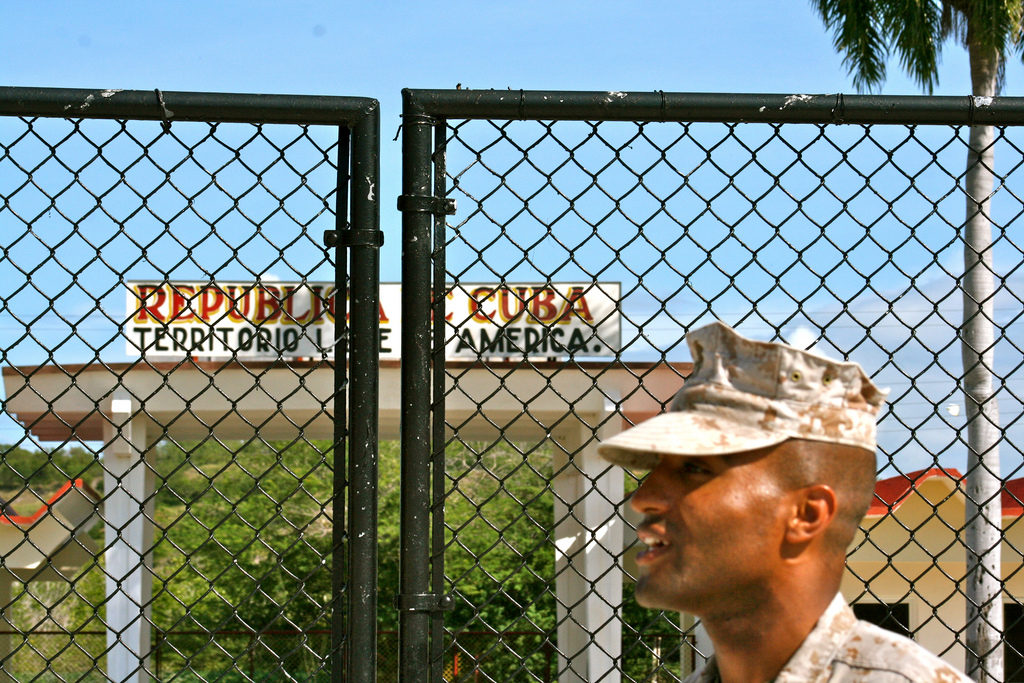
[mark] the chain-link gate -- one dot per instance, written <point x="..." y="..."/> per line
<point x="590" y="232"/>
<point x="178" y="436"/>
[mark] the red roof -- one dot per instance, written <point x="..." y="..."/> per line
<point x="892" y="492"/>
<point x="9" y="518"/>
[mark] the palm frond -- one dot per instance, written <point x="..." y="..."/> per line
<point x="993" y="23"/>
<point x="857" y="35"/>
<point x="953" y="24"/>
<point x="1015" y="39"/>
<point x="915" y="27"/>
<point x="865" y="32"/>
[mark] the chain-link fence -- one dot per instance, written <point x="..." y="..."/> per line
<point x="173" y="296"/>
<point x="175" y="290"/>
<point x="590" y="232"/>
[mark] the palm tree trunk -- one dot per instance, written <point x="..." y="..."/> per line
<point x="983" y="514"/>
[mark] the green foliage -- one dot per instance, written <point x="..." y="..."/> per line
<point x="33" y="476"/>
<point x="866" y="33"/>
<point x="247" y="536"/>
<point x="500" y="559"/>
<point x="242" y="544"/>
<point x="242" y="562"/>
<point x="499" y="521"/>
<point x="27" y="480"/>
<point x="389" y="515"/>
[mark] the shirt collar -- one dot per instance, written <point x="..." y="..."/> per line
<point x="811" y="663"/>
<point x="812" y="660"/>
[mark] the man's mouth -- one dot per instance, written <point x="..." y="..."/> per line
<point x="656" y="546"/>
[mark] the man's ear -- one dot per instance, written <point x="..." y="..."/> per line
<point x="812" y="514"/>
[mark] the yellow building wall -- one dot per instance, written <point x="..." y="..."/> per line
<point x="916" y="555"/>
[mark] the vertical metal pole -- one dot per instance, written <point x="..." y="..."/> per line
<point x="339" y="563"/>
<point x="439" y="441"/>
<point x="364" y="399"/>
<point x="414" y="570"/>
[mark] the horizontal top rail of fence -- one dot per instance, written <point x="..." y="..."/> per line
<point x="157" y="105"/>
<point x="716" y="107"/>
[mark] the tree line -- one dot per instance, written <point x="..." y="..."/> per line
<point x="243" y="546"/>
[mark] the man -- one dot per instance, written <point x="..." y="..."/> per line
<point x="760" y="474"/>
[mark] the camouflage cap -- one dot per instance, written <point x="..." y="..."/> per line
<point x="743" y="395"/>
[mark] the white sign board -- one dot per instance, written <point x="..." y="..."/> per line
<point x="273" y="320"/>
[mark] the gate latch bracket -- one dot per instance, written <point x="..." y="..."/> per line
<point x="354" y="238"/>
<point x="424" y="602"/>
<point x="438" y="206"/>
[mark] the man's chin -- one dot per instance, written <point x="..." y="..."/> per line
<point x="670" y="599"/>
<point x="649" y="596"/>
<point x="649" y="604"/>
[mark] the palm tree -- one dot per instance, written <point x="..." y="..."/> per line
<point x="866" y="32"/>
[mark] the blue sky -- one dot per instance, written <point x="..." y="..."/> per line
<point x="377" y="48"/>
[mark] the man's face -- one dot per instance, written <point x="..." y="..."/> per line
<point x="713" y="527"/>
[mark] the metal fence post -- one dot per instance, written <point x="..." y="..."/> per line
<point x="439" y="483"/>
<point x="364" y="240"/>
<point x="339" y="532"/>
<point x="414" y="577"/>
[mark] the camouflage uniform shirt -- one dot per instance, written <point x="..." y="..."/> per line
<point x="842" y="649"/>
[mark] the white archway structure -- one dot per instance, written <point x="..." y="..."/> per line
<point x="130" y="406"/>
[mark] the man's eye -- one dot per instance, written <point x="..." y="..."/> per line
<point x="694" y="468"/>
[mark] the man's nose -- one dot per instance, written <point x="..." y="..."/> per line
<point x="650" y="496"/>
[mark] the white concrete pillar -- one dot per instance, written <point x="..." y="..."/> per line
<point x="128" y="486"/>
<point x="588" y="541"/>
